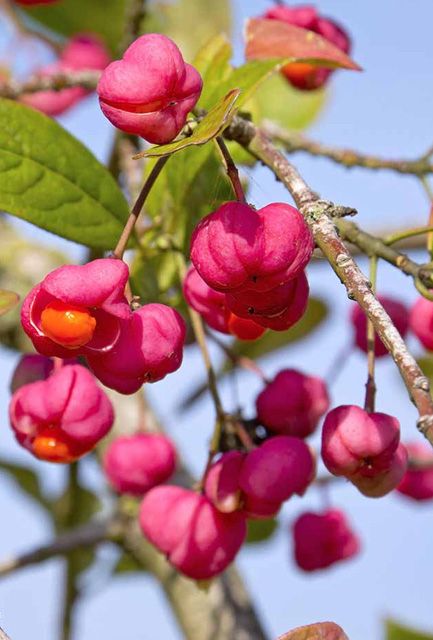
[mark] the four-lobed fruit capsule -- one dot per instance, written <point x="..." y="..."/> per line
<point x="151" y="90"/>
<point x="322" y="539"/>
<point x="134" y="464"/>
<point x="63" y="417"/>
<point x="364" y="447"/>
<point x="292" y="403"/>
<point x="399" y="315"/>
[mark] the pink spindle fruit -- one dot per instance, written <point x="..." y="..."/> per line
<point x="421" y="322"/>
<point x="293" y="403"/>
<point x="237" y="248"/>
<point x="212" y="307"/>
<point x="222" y="482"/>
<point x="303" y="75"/>
<point x="82" y="53"/>
<point x="398" y="313"/>
<point x="149" y="347"/>
<point x="279" y="468"/>
<point x="151" y="90"/>
<point x="380" y="484"/>
<point x="31" y="368"/>
<point x="223" y="489"/>
<point x="77" y="310"/>
<point x="63" y="417"/>
<point x="417" y="482"/>
<point x="196" y="538"/>
<point x="35" y="2"/>
<point x="322" y="539"/>
<point x="364" y="447"/>
<point x="277" y="309"/>
<point x="134" y="464"/>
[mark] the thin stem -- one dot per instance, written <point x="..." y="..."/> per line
<point x="200" y="336"/>
<point x="407" y="233"/>
<point x="244" y="436"/>
<point x="337" y="365"/>
<point x="427" y="187"/>
<point x="372" y="245"/>
<point x="231" y="169"/>
<point x="197" y="325"/>
<point x="294" y="142"/>
<point x="87" y="536"/>
<point x="70" y="591"/>
<point x="136" y="209"/>
<point x="370" y="387"/>
<point x="238" y="360"/>
<point x="24" y="30"/>
<point x="135" y="14"/>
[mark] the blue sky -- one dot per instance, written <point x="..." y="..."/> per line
<point x="385" y="110"/>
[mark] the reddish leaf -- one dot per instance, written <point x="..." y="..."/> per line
<point x="275" y="39"/>
<point x="318" y="631"/>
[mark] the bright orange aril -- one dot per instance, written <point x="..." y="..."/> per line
<point x="52" y="445"/>
<point x="243" y="328"/>
<point x="68" y="325"/>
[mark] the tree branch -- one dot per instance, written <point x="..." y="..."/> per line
<point x="294" y="142"/>
<point x="86" y="79"/>
<point x="88" y="535"/>
<point x="216" y="612"/>
<point x="375" y="246"/>
<point x="319" y="216"/>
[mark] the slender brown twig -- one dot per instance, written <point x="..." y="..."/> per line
<point x="88" y="535"/>
<point x="370" y="386"/>
<point x="294" y="142"/>
<point x="136" y="209"/>
<point x="231" y="169"/>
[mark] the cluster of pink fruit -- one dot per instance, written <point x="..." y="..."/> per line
<point x="83" y="311"/>
<point x="252" y="262"/>
<point x="247" y="276"/>
<point x="418" y="319"/>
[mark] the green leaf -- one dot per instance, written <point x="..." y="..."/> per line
<point x="247" y="79"/>
<point x="27" y="480"/>
<point x="211" y="126"/>
<point x="261" y="530"/>
<point x="395" y="631"/>
<point x="213" y="59"/>
<point x="270" y="342"/>
<point x="278" y="101"/>
<point x="193" y="184"/>
<point x="152" y="277"/>
<point x="219" y="77"/>
<point x="68" y="17"/>
<point x="51" y="180"/>
<point x="8" y="300"/>
<point x="191" y="23"/>
<point x="276" y="39"/>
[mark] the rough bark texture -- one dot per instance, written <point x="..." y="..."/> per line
<point x="220" y="611"/>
